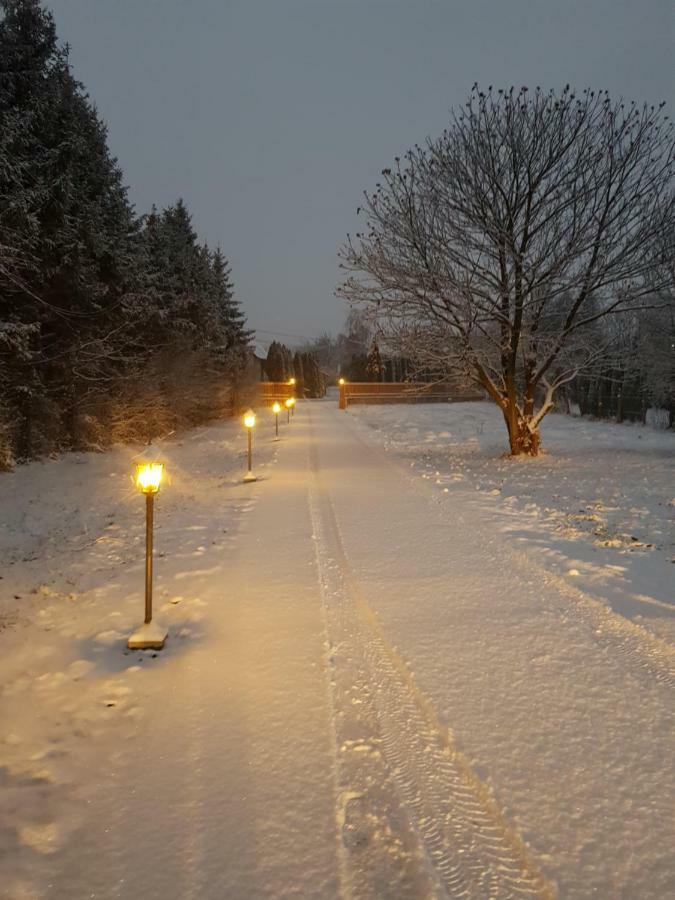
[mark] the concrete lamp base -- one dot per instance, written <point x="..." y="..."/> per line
<point x="249" y="476"/>
<point x="150" y="636"/>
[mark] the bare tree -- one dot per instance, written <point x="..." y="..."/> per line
<point x="493" y="250"/>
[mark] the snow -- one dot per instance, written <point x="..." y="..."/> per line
<point x="598" y="504"/>
<point x="381" y="678"/>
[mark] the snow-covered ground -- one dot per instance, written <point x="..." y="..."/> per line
<point x="381" y="680"/>
<point x="598" y="507"/>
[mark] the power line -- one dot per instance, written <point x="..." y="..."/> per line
<point x="301" y="337"/>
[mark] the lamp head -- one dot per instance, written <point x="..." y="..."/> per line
<point x="249" y="418"/>
<point x="291" y="381"/>
<point x="341" y="381"/>
<point x="276" y="407"/>
<point x="149" y="476"/>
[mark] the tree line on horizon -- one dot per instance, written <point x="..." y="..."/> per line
<point x="113" y="326"/>
<point x="282" y="363"/>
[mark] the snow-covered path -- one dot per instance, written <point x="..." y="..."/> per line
<point x="366" y="693"/>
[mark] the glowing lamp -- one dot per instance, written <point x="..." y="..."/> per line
<point x="342" y="401"/>
<point x="291" y="381"/>
<point x="149" y="477"/>
<point x="249" y="423"/>
<point x="150" y="636"/>
<point x="276" y="407"/>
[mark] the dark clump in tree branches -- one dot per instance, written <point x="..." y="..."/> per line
<point x="99" y="309"/>
<point x="374" y="365"/>
<point x="501" y="250"/>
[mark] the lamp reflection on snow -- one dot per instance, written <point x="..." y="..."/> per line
<point x="249" y="425"/>
<point x="149" y="474"/>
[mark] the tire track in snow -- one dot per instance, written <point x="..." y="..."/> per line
<point x="468" y="847"/>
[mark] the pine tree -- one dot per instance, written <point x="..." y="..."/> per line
<point x="299" y="374"/>
<point x="374" y="367"/>
<point x="237" y="336"/>
<point x="94" y="304"/>
<point x="313" y="379"/>
<point x="274" y="364"/>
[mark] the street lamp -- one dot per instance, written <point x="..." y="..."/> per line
<point x="342" y="402"/>
<point x="249" y="424"/>
<point x="150" y="636"/>
<point x="276" y="409"/>
<point x="290" y="403"/>
<point x="291" y="381"/>
<point x="341" y="381"/>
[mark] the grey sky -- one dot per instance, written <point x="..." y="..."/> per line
<point x="271" y="117"/>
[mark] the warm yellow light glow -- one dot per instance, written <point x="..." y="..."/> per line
<point x="290" y="402"/>
<point x="341" y="381"/>
<point x="276" y="407"/>
<point x="149" y="477"/>
<point x="249" y="419"/>
<point x="291" y="380"/>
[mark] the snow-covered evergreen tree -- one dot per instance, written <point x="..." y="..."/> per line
<point x="374" y="367"/>
<point x="94" y="303"/>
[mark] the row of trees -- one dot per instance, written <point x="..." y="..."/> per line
<point x="112" y="326"/>
<point x="282" y="364"/>
<point x="525" y="248"/>
<point x="349" y="354"/>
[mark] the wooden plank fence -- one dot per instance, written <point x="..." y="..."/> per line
<point x="269" y="391"/>
<point x="405" y="392"/>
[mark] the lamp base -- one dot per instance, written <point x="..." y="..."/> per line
<point x="150" y="636"/>
<point x="249" y="476"/>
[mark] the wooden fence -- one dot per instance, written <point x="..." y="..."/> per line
<point x="269" y="391"/>
<point x="405" y="392"/>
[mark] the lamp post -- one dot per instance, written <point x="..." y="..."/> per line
<point x="249" y="424"/>
<point x="276" y="409"/>
<point x="292" y="382"/>
<point x="342" y="404"/>
<point x="289" y="404"/>
<point x="149" y="636"/>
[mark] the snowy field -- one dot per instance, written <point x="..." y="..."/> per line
<point x="72" y="537"/>
<point x="399" y="665"/>
<point x="597" y="507"/>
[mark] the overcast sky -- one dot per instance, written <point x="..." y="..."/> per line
<point x="269" y="117"/>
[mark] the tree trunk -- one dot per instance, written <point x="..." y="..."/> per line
<point x="524" y="440"/>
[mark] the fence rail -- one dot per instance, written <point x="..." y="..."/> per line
<point x="269" y="391"/>
<point x="405" y="392"/>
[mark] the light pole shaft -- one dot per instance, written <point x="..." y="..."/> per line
<point x="149" y="525"/>
<point x="276" y="424"/>
<point x="250" y="449"/>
